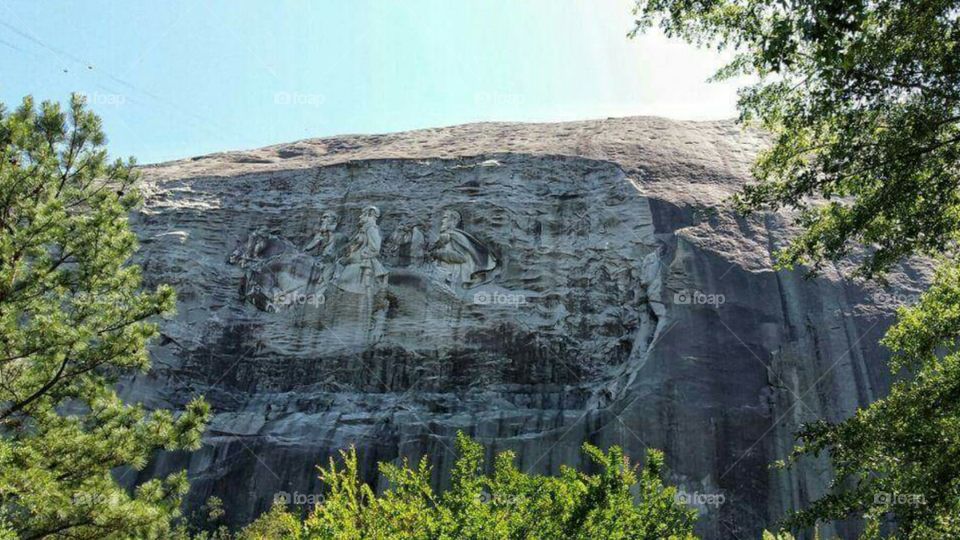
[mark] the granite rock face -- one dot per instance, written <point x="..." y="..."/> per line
<point x="534" y="285"/>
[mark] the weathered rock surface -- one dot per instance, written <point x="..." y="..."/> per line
<point x="534" y="285"/>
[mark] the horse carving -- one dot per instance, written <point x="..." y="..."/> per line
<point x="277" y="274"/>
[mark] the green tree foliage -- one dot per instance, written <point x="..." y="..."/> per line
<point x="73" y="317"/>
<point x="619" y="502"/>
<point x="862" y="101"/>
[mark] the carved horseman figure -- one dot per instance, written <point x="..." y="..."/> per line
<point x="361" y="270"/>
<point x="323" y="247"/>
<point x="276" y="271"/>
<point x="464" y="259"/>
<point x="325" y="241"/>
<point x="407" y="244"/>
<point x="251" y="251"/>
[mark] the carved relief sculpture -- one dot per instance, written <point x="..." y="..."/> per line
<point x="463" y="259"/>
<point x="276" y="271"/>
<point x="407" y="244"/>
<point x="279" y="273"/>
<point x="360" y="269"/>
<point x="323" y="247"/>
<point x="325" y="241"/>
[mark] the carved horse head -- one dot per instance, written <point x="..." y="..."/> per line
<point x="260" y="245"/>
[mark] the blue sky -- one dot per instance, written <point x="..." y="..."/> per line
<point x="181" y="78"/>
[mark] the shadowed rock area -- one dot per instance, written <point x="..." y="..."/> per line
<point x="534" y="285"/>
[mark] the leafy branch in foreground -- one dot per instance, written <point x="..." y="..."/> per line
<point x="619" y="502"/>
<point x="73" y="318"/>
<point x="863" y="102"/>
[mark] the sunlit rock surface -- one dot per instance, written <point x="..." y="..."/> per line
<point x="534" y="285"/>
